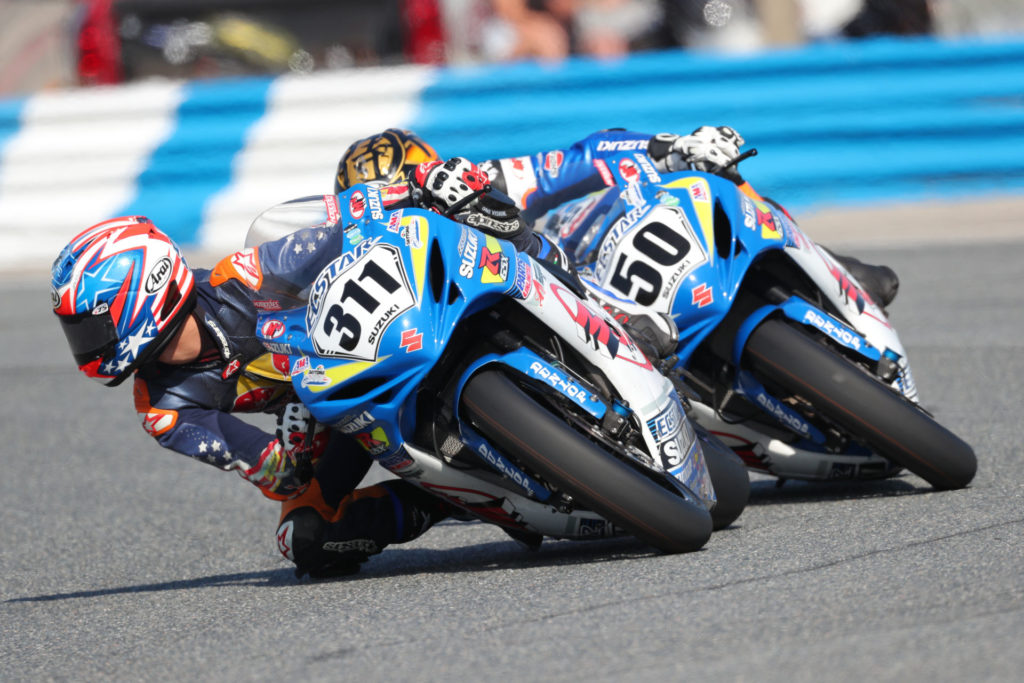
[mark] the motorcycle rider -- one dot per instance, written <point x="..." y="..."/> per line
<point x="543" y="181"/>
<point x="129" y="306"/>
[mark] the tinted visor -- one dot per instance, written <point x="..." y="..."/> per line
<point x="90" y="336"/>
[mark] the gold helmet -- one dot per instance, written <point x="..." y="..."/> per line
<point x="386" y="157"/>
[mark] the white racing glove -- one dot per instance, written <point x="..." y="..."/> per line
<point x="458" y="189"/>
<point x="708" y="149"/>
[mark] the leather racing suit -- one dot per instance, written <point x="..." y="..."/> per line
<point x="190" y="408"/>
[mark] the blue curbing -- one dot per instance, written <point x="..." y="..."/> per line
<point x="195" y="162"/>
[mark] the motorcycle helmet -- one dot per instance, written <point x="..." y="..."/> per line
<point x="121" y="290"/>
<point x="386" y="157"/>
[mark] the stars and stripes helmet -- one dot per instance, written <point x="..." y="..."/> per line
<point x="388" y="157"/>
<point x="121" y="289"/>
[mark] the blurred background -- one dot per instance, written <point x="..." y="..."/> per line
<point x="199" y="113"/>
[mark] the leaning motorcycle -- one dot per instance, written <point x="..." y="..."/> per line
<point x="794" y="366"/>
<point x="480" y="375"/>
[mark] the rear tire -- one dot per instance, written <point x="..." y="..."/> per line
<point x="845" y="394"/>
<point x="546" y="444"/>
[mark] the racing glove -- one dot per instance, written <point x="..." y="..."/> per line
<point x="708" y="149"/>
<point x="457" y="188"/>
<point x="286" y="465"/>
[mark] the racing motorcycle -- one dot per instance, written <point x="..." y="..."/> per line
<point x="793" y="365"/>
<point x="485" y="377"/>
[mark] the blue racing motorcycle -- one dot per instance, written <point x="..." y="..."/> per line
<point x="793" y="365"/>
<point x="487" y="378"/>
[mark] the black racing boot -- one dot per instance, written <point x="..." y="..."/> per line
<point x="880" y="282"/>
<point x="655" y="333"/>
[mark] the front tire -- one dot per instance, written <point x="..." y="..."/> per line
<point x="728" y="476"/>
<point x="547" y="445"/>
<point x="894" y="427"/>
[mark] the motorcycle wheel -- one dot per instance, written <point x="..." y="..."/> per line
<point x="728" y="476"/>
<point x="846" y="394"/>
<point x="547" y="445"/>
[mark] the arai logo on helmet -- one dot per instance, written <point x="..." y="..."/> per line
<point x="55" y="297"/>
<point x="159" y="276"/>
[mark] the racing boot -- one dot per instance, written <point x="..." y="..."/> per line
<point x="880" y="282"/>
<point x="655" y="333"/>
<point x="328" y="542"/>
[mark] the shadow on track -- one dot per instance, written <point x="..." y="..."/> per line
<point x="770" y="492"/>
<point x="398" y="561"/>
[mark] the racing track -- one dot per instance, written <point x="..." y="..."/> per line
<point x="121" y="561"/>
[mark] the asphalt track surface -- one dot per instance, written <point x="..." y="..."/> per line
<point x="122" y="561"/>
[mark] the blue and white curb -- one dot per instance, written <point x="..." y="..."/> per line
<point x="840" y="123"/>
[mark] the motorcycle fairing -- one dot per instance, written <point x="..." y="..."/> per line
<point x="382" y="313"/>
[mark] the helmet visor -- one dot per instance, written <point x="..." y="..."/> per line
<point x="90" y="335"/>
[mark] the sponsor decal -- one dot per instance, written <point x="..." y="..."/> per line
<point x="284" y="539"/>
<point x="374" y="442"/>
<point x="396" y="462"/>
<point x="356" y="205"/>
<point x="837" y="332"/>
<point x="159" y="276"/>
<point x="333" y="209"/>
<point x="594" y="329"/>
<point x="300" y="366"/>
<point x="667" y="198"/>
<point x="277" y="347"/>
<point x="221" y="338"/>
<point x="699" y="193"/>
<point x="523" y="283"/>
<point x="478" y="220"/>
<point x="351" y="425"/>
<point x="553" y="162"/>
<point x="633" y="196"/>
<point x="766" y="221"/>
<point x="267" y="304"/>
<point x="628" y="170"/>
<point x="503" y="466"/>
<point x="847" y="288"/>
<point x="467" y="247"/>
<point x="595" y="528"/>
<point x="232" y="367"/>
<point x="54" y="297"/>
<point x="606" y="174"/>
<point x="702" y="295"/>
<point x="382" y="322"/>
<point x="247" y="267"/>
<point x="412" y="229"/>
<point x="158" y="421"/>
<point x="272" y="329"/>
<point x="353" y="235"/>
<point x="281" y="363"/>
<point x="666" y="424"/>
<point x="648" y="168"/>
<point x="363" y="545"/>
<point x="621" y="145"/>
<point x="782" y="414"/>
<point x="101" y="309"/>
<point x="395" y="222"/>
<point x="315" y="377"/>
<point x="253" y="399"/>
<point x="561" y="382"/>
<point x="376" y="207"/>
<point x="493" y="263"/>
<point x="412" y="340"/>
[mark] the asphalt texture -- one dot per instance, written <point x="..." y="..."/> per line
<point x="121" y="561"/>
